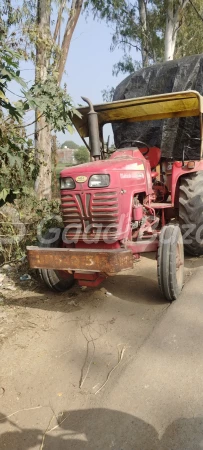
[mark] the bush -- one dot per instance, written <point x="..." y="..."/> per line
<point x="82" y="155"/>
<point x="22" y="221"/>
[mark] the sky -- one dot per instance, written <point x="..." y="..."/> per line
<point x="90" y="62"/>
<point x="88" y="68"/>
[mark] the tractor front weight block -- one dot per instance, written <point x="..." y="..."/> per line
<point x="106" y="261"/>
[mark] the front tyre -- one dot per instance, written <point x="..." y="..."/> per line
<point x="57" y="280"/>
<point x="170" y="262"/>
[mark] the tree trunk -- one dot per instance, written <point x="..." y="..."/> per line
<point x="42" y="130"/>
<point x="43" y="133"/>
<point x="170" y="37"/>
<point x="173" y="23"/>
<point x="58" y="22"/>
<point x="74" y="14"/>
<point x="143" y="22"/>
<point x="43" y="158"/>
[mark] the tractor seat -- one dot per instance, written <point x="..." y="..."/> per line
<point x="153" y="156"/>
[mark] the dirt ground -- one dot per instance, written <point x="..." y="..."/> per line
<point x="63" y="354"/>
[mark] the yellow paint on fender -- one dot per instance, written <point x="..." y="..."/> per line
<point x="153" y="107"/>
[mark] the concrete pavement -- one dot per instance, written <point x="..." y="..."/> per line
<point x="153" y="400"/>
<point x="157" y="402"/>
<point x="160" y="393"/>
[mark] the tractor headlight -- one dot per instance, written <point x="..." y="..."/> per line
<point x="99" y="181"/>
<point x="67" y="183"/>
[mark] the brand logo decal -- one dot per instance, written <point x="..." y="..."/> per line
<point x="136" y="176"/>
<point x="81" y="179"/>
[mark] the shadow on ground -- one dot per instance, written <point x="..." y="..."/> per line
<point x="104" y="429"/>
<point x="135" y="288"/>
<point x="130" y="288"/>
<point x="138" y="286"/>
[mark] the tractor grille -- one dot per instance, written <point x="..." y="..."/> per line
<point x="90" y="215"/>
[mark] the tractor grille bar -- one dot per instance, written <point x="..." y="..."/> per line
<point x="90" y="215"/>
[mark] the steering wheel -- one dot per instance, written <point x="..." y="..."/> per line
<point x="138" y="142"/>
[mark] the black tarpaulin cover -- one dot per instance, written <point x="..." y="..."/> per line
<point x="171" y="135"/>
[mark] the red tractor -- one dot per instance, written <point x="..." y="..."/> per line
<point x="130" y="202"/>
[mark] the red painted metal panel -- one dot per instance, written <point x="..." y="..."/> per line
<point x="143" y="246"/>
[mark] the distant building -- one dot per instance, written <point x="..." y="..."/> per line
<point x="66" y="155"/>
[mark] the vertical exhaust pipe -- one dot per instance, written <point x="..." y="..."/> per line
<point x="93" y="125"/>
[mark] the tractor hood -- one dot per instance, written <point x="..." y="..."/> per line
<point x="125" y="160"/>
<point x="101" y="194"/>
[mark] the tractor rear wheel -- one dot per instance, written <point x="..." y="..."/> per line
<point x="191" y="212"/>
<point x="57" y="280"/>
<point x="170" y="262"/>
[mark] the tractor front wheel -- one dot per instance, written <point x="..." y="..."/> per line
<point x="57" y="280"/>
<point x="170" y="262"/>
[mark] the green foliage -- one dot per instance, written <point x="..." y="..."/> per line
<point x="53" y="102"/>
<point x="18" y="170"/>
<point x="142" y="40"/>
<point x="107" y="94"/>
<point x="82" y="155"/>
<point x="60" y="167"/>
<point x="17" y="164"/>
<point x="9" y="63"/>
<point x="126" y="65"/>
<point x="129" y="33"/>
<point x="70" y="144"/>
<point x="189" y="40"/>
<point x="21" y="221"/>
<point x="17" y="159"/>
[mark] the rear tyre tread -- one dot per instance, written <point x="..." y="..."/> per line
<point x="191" y="210"/>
